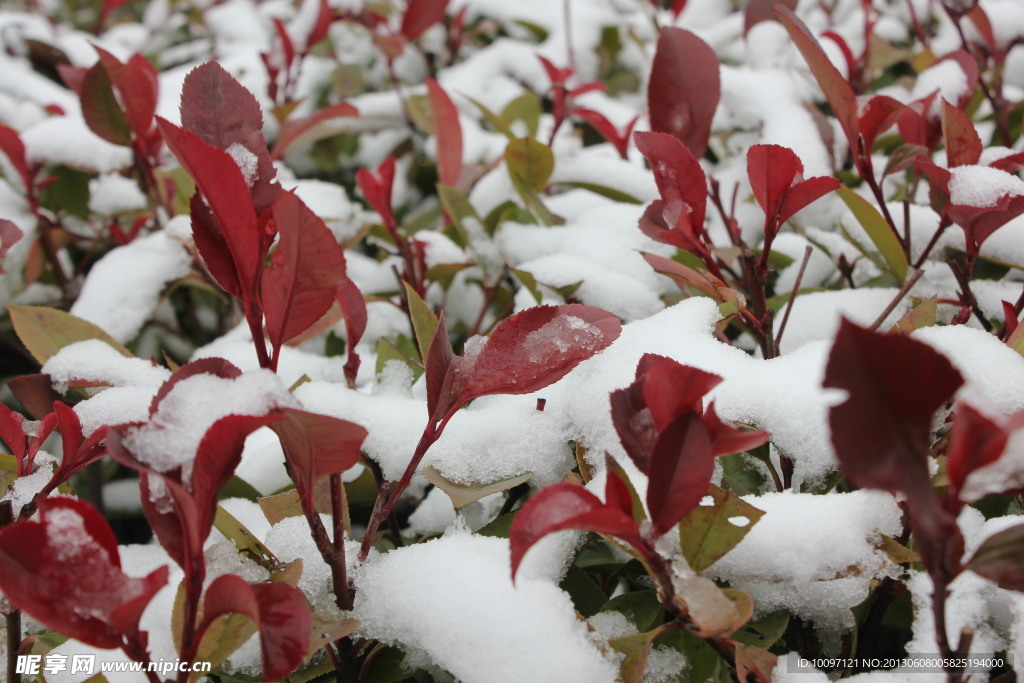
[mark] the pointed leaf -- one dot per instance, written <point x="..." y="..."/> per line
<point x="136" y="85"/>
<point x="223" y="114"/>
<point x="424" y="321"/>
<point x="837" y="90"/>
<point x="806" y="193"/>
<point x="100" y="108"/>
<point x="711" y="530"/>
<point x="878" y="230"/>
<point x="353" y="307"/>
<point x="280" y="612"/>
<point x="530" y="350"/>
<point x="682" y="463"/>
<point x="772" y="171"/>
<point x="975" y="441"/>
<point x="565" y="506"/>
<point x="530" y="161"/>
<point x="463" y="494"/>
<point x="923" y="315"/>
<point x="448" y="132"/>
<point x="45" y="331"/>
<point x="305" y="270"/>
<point x="684" y="88"/>
<point x="438" y="360"/>
<point x="1000" y="559"/>
<point x="296" y="132"/>
<point x="421" y="15"/>
<point x="13" y="148"/>
<point x="963" y="146"/>
<point x="757" y="11"/>
<point x="679" y="177"/>
<point x="880" y="113"/>
<point x="754" y="664"/>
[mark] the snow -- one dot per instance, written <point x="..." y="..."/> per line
<point x="111" y="194"/>
<point x="171" y="436"/>
<point x="816" y="315"/>
<point x="150" y="263"/>
<point x="947" y="77"/>
<point x="67" y="140"/>
<point x="982" y="186"/>
<point x="453" y="598"/>
<point x="98" y="362"/>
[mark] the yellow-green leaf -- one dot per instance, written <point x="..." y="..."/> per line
<point x="923" y="315"/>
<point x="708" y="532"/>
<point x="424" y="322"/>
<point x="878" y="230"/>
<point x="464" y="494"/>
<point x="531" y="161"/>
<point x="45" y="331"/>
<point x="243" y="539"/>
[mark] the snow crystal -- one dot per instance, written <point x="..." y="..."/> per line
<point x="26" y="487"/>
<point x="149" y="263"/>
<point x="237" y="347"/>
<point x="172" y="435"/>
<point x="433" y="515"/>
<point x="454" y="599"/>
<point x="816" y="315"/>
<point x="262" y="464"/>
<point x="982" y="186"/>
<point x="664" y="664"/>
<point x="111" y="194"/>
<point x="612" y="624"/>
<point x="246" y="161"/>
<point x="65" y="534"/>
<point x="98" y="362"/>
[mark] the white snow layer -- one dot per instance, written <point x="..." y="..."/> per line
<point x="453" y="598"/>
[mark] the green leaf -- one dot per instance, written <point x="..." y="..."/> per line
<point x="531" y="161"/>
<point x="386" y="664"/>
<point x="45" y="331"/>
<point x="464" y="494"/>
<point x="708" y="532"/>
<point x="458" y="208"/>
<point x="100" y="108"/>
<point x="641" y="608"/>
<point x="500" y="124"/>
<point x="325" y="632"/>
<point x="586" y="596"/>
<point x="764" y="632"/>
<point x="529" y="281"/>
<point x="223" y="637"/>
<point x="525" y="108"/>
<point x="387" y="351"/>
<point x="244" y="539"/>
<point x="1000" y="559"/>
<point x="239" y="488"/>
<point x="424" y="322"/>
<point x="878" y="230"/>
<point x="604" y="190"/>
<point x="924" y="315"/>
<point x="498" y="527"/>
<point x="286" y="504"/>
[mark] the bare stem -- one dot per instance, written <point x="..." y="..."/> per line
<point x="792" y="297"/>
<point x="339" y="568"/>
<point x="907" y="286"/>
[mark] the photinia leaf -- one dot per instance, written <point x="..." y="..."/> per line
<point x="713" y="611"/>
<point x="530" y="161"/>
<point x="607" y="129"/>
<point x="15" y="433"/>
<point x="316" y="446"/>
<point x="685" y="276"/>
<point x="530" y="350"/>
<point x="377" y="188"/>
<point x="234" y="228"/>
<point x="1000" y="559"/>
<point x="963" y="146"/>
<point x="682" y="463"/>
<point x="76" y="452"/>
<point x="878" y="230"/>
<point x="710" y="531"/>
<point x="772" y="170"/>
<point x="10" y="234"/>
<point x="35" y="392"/>
<point x="757" y="11"/>
<point x="754" y="664"/>
<point x="44" y="331"/>
<point x="13" y="148"/>
<point x="566" y="506"/>
<point x="244" y="540"/>
<point x="448" y="132"/>
<point x="436" y="364"/>
<point x="681" y="183"/>
<point x="421" y="15"/>
<point x="424" y="321"/>
<point x="279" y="611"/>
<point x="462" y="494"/>
<point x="63" y="568"/>
<point x="100" y="108"/>
<point x="223" y="114"/>
<point x="135" y="84"/>
<point x="353" y="307"/>
<point x="880" y="114"/>
<point x="305" y="270"/>
<point x="980" y="222"/>
<point x="726" y="439"/>
<point x="923" y="315"/>
<point x="975" y="441"/>
<point x="837" y="89"/>
<point x="295" y="132"/>
<point x="684" y="88"/>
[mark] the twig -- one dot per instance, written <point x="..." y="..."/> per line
<point x="792" y="297"/>
<point x="907" y="285"/>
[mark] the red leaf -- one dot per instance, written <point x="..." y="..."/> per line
<point x="438" y="362"/>
<point x="377" y="188"/>
<point x="10" y="234"/>
<point x="353" y="307"/>
<point x="684" y="88"/>
<point x="963" y="146"/>
<point x="616" y="492"/>
<point x="772" y="171"/>
<point x="895" y="385"/>
<point x="565" y="506"/>
<point x="222" y="113"/>
<point x="975" y="441"/>
<point x="280" y="612"/>
<point x="421" y="15"/>
<point x="727" y="439"/>
<point x="63" y="569"/>
<point x="837" y="90"/>
<point x="805" y="193"/>
<point x="880" y="114"/>
<point x="681" y="182"/>
<point x="209" y="366"/>
<point x="35" y="391"/>
<point x="1000" y="558"/>
<point x="677" y="8"/>
<point x="530" y="350"/>
<point x="607" y="130"/>
<point x="323" y="24"/>
<point x="14" y="149"/>
<point x="682" y="463"/>
<point x="448" y="132"/>
<point x="757" y="11"/>
<point x="231" y="208"/>
<point x="136" y="86"/>
<point x="980" y="222"/>
<point x="293" y="129"/>
<point x="76" y="453"/>
<point x="101" y="110"/>
<point x="305" y="270"/>
<point x="316" y="446"/>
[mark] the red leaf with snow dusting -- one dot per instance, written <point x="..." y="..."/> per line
<point x="63" y="568"/>
<point x="566" y="506"/>
<point x="279" y="611"/>
<point x="681" y="183"/>
<point x="684" y="88"/>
